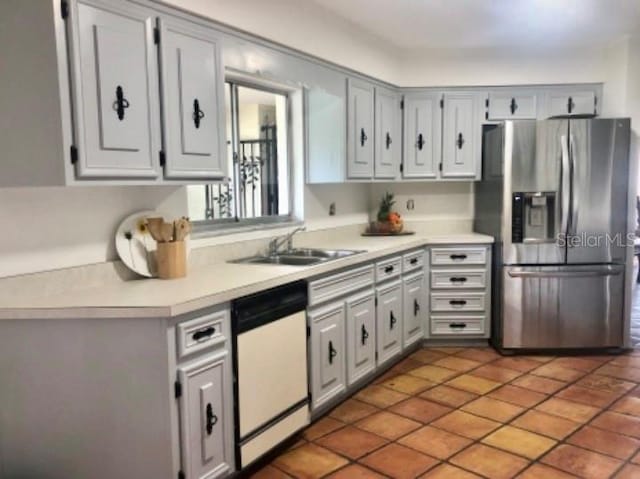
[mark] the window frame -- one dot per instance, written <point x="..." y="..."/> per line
<point x="224" y="226"/>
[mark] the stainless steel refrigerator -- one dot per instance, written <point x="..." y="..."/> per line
<point x="554" y="195"/>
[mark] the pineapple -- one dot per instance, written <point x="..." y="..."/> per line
<point x="386" y="204"/>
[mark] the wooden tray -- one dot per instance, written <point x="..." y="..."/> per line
<point x="402" y="233"/>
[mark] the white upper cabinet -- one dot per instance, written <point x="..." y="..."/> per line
<point x="388" y="121"/>
<point x="360" y="133"/>
<point x="115" y="91"/>
<point x="570" y="102"/>
<point x="461" y="135"/>
<point x="193" y="102"/>
<point x="422" y="135"/>
<point x="512" y="105"/>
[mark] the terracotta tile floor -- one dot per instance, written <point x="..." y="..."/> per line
<point x="456" y="413"/>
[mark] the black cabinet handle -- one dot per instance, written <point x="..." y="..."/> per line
<point x="388" y="269"/>
<point x="392" y="320"/>
<point x="416" y="307"/>
<point x="121" y="103"/>
<point x="364" y="335"/>
<point x="458" y="325"/>
<point x="363" y="137"/>
<point x="460" y="141"/>
<point x="458" y="256"/>
<point x="203" y="333"/>
<point x="413" y="261"/>
<point x="457" y="302"/>
<point x="570" y="104"/>
<point x="212" y="419"/>
<point x="198" y="114"/>
<point x="420" y="142"/>
<point x="455" y="279"/>
<point x="388" y="140"/>
<point x="514" y="106"/>
<point x="332" y="352"/>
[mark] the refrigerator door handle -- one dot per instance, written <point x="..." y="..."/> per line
<point x="573" y="221"/>
<point x="519" y="273"/>
<point x="564" y="185"/>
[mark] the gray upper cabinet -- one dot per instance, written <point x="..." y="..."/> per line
<point x="422" y="135"/>
<point x="389" y="321"/>
<point x="461" y="135"/>
<point x="569" y="102"/>
<point x="512" y="105"/>
<point x="388" y="121"/>
<point x="328" y="358"/>
<point x="115" y="91"/>
<point x="360" y="132"/>
<point x="193" y="102"/>
<point x="361" y="336"/>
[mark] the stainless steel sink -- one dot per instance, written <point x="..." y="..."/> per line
<point x="300" y="257"/>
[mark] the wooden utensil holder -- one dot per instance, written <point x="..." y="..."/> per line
<point x="171" y="258"/>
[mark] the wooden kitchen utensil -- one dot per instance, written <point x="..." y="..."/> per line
<point x="171" y="257"/>
<point x="182" y="228"/>
<point x="167" y="232"/>
<point x="154" y="225"/>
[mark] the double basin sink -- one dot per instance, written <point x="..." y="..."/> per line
<point x="300" y="257"/>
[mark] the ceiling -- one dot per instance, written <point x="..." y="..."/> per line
<point x="538" y="24"/>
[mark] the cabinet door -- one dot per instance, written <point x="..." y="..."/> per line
<point x="566" y="102"/>
<point x="359" y="129"/>
<point x="512" y="105"/>
<point x="388" y="151"/>
<point x="361" y="336"/>
<point x="115" y="87"/>
<point x="415" y="308"/>
<point x="193" y="102"/>
<point x="328" y="358"/>
<point x="461" y="135"/>
<point x="422" y="135"/>
<point x="389" y="321"/>
<point x="204" y="415"/>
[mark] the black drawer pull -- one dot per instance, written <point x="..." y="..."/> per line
<point x="455" y="279"/>
<point x="416" y="307"/>
<point x="457" y="302"/>
<point x="413" y="261"/>
<point x="365" y="335"/>
<point x="392" y="320"/>
<point x="121" y="103"/>
<point x="203" y="333"/>
<point x="332" y="352"/>
<point x="198" y="114"/>
<point x="212" y="419"/>
<point x="458" y="325"/>
<point x="388" y="269"/>
<point x="458" y="256"/>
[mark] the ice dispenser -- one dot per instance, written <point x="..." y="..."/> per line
<point x="533" y="217"/>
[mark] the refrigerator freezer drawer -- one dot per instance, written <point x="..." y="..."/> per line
<point x="563" y="306"/>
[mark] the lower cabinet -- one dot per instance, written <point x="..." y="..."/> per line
<point x="328" y="358"/>
<point x="361" y="336"/>
<point x="389" y="320"/>
<point x="203" y="417"/>
<point x="415" y="308"/>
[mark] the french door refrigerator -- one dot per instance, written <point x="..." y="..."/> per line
<point x="554" y="195"/>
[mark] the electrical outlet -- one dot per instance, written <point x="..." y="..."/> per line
<point x="410" y="204"/>
<point x="332" y="209"/>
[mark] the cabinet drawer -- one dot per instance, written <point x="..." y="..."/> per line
<point x="448" y="256"/>
<point x="340" y="284"/>
<point x="457" y="279"/>
<point x="457" y="325"/>
<point x="413" y="261"/>
<point x="388" y="268"/>
<point x="200" y="333"/>
<point x="457" y="301"/>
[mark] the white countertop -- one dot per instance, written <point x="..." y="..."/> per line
<point x="207" y="286"/>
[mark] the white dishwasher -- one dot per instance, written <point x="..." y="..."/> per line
<point x="270" y="369"/>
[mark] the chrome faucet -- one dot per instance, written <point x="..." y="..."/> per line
<point x="276" y="243"/>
